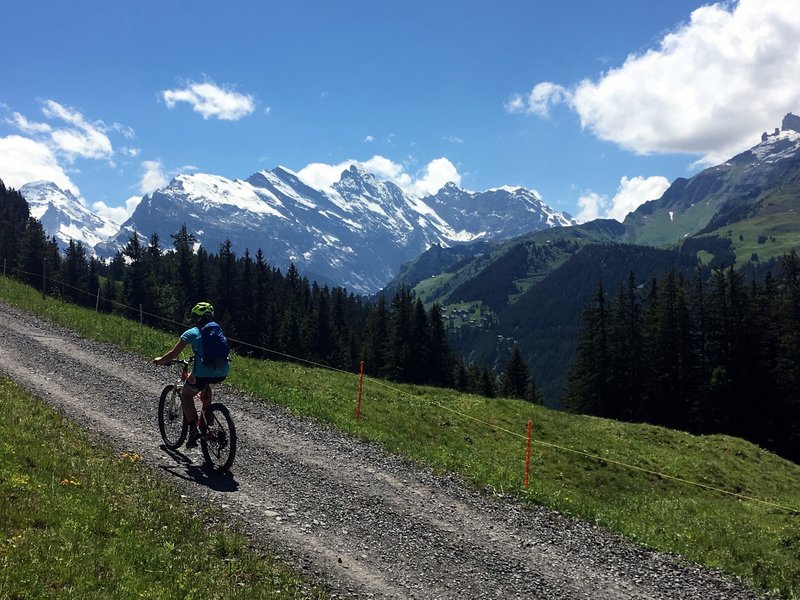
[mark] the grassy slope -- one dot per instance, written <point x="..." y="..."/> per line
<point x="79" y="520"/>
<point x="435" y="426"/>
<point x="777" y="224"/>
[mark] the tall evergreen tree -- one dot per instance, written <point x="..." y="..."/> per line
<point x="440" y="363"/>
<point x="14" y="215"/>
<point x="183" y="242"/>
<point x="515" y="379"/>
<point x="587" y="383"/>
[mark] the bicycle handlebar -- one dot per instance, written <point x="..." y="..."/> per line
<point x="186" y="362"/>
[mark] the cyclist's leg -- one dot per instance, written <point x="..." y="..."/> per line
<point x="187" y="400"/>
<point x="207" y="396"/>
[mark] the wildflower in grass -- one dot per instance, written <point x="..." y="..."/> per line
<point x="131" y="456"/>
<point x="19" y="481"/>
<point x="69" y="481"/>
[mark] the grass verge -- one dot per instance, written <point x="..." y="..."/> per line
<point x="483" y="440"/>
<point x="78" y="520"/>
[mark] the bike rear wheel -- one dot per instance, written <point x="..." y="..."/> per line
<point x="171" y="422"/>
<point x="218" y="442"/>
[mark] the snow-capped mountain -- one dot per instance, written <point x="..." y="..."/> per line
<point x="356" y="233"/>
<point x="62" y="215"/>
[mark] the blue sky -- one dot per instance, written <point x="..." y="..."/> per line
<point x="596" y="105"/>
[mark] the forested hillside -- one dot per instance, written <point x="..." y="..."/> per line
<point x="716" y="357"/>
<point x="544" y="321"/>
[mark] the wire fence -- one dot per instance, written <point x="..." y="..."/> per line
<point x="443" y="407"/>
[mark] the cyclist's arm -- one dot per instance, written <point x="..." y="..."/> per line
<point x="171" y="355"/>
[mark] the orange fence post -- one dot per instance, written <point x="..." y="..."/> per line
<point x="528" y="453"/>
<point x="360" y="386"/>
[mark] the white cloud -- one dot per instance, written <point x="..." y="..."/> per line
<point x="130" y="151"/>
<point x="322" y="176"/>
<point x="26" y="126"/>
<point x="542" y="97"/>
<point x="84" y="139"/>
<point x="631" y="193"/>
<point x="118" y="214"/>
<point x="590" y="205"/>
<point x="710" y="87"/>
<point x="23" y="160"/>
<point x="211" y="100"/>
<point x="428" y="181"/>
<point x="435" y="174"/>
<point x="369" y="139"/>
<point x="634" y="192"/>
<point x="153" y="177"/>
<point x="80" y="138"/>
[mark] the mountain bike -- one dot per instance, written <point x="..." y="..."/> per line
<point x="217" y="432"/>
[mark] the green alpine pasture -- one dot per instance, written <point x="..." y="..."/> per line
<point x="742" y="518"/>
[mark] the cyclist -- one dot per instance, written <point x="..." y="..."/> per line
<point x="202" y="374"/>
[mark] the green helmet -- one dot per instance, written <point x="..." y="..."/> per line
<point x="203" y="309"/>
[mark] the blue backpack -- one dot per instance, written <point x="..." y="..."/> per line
<point x="214" y="344"/>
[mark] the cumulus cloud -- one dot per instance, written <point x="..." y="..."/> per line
<point x="428" y="180"/>
<point x="23" y="160"/>
<point x="153" y="177"/>
<point x="541" y="98"/>
<point x="211" y="100"/>
<point x="435" y="175"/>
<point x="709" y="88"/>
<point x="118" y="214"/>
<point x="590" y="206"/>
<point x="631" y="193"/>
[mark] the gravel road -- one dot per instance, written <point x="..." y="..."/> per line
<point x="344" y="512"/>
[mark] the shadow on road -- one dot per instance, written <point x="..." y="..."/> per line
<point x="202" y="474"/>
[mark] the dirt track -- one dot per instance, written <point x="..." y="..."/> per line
<point x="368" y="524"/>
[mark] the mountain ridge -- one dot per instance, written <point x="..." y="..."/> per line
<point x="357" y="233"/>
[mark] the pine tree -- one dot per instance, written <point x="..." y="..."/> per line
<point x="587" y="382"/>
<point x="440" y="363"/>
<point x="136" y="293"/>
<point x="32" y="249"/>
<point x="399" y="352"/>
<point x="74" y="274"/>
<point x="375" y="339"/>
<point x="514" y="379"/>
<point x="183" y="242"/>
<point x="14" y="216"/>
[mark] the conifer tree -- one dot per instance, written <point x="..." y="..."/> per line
<point x="515" y="379"/>
<point x="587" y="383"/>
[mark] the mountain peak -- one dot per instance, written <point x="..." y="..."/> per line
<point x="64" y="216"/>
<point x="791" y="122"/>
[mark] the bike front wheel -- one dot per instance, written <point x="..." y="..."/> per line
<point x="171" y="423"/>
<point x="218" y="442"/>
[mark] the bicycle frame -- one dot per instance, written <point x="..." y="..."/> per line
<point x="203" y="398"/>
